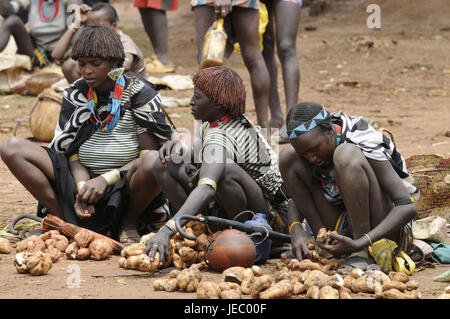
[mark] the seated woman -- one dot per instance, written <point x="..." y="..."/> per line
<point x="46" y="24"/>
<point x="103" y="14"/>
<point x="97" y="171"/>
<point x="341" y="172"/>
<point x="235" y="159"/>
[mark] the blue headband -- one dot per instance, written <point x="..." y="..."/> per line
<point x="308" y="126"/>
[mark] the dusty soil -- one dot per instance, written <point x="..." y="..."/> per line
<point x="401" y="81"/>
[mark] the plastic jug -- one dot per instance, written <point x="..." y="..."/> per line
<point x="214" y="46"/>
<point x="262" y="243"/>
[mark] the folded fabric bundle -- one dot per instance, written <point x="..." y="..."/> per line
<point x="441" y="253"/>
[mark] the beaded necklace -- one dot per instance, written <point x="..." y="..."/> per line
<point x="223" y="119"/>
<point x="113" y="108"/>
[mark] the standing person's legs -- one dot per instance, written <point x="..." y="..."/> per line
<point x="155" y="24"/>
<point x="14" y="26"/>
<point x="287" y="17"/>
<point x="245" y="24"/>
<point x="276" y="114"/>
<point x="204" y="18"/>
<point x="32" y="166"/>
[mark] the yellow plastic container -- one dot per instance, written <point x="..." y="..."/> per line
<point x="214" y="46"/>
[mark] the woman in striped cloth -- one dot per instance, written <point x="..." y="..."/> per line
<point x="234" y="159"/>
<point x="97" y="170"/>
<point x="342" y="172"/>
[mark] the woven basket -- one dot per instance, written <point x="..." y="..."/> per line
<point x="45" y="114"/>
<point x="432" y="177"/>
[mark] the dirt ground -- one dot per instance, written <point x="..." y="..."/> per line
<point x="398" y="76"/>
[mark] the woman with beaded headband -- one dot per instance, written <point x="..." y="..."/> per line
<point x="97" y="170"/>
<point x="345" y="176"/>
<point x="237" y="169"/>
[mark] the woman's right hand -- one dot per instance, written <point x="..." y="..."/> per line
<point x="159" y="243"/>
<point x="299" y="241"/>
<point x="93" y="190"/>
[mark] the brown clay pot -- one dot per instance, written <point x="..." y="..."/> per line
<point x="229" y="248"/>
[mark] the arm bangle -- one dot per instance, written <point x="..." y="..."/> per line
<point x="293" y="224"/>
<point x="405" y="201"/>
<point x="171" y="225"/>
<point x="73" y="27"/>
<point x="370" y="241"/>
<point x="74" y="157"/>
<point x="142" y="153"/>
<point x="80" y="185"/>
<point x="111" y="177"/>
<point x="207" y="181"/>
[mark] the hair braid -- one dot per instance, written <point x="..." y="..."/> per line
<point x="224" y="87"/>
<point x="96" y="41"/>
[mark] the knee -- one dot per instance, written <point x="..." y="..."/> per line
<point x="348" y="157"/>
<point x="148" y="161"/>
<point x="292" y="166"/>
<point x="70" y="70"/>
<point x="286" y="49"/>
<point x="12" y="21"/>
<point x="231" y="173"/>
<point x="11" y="148"/>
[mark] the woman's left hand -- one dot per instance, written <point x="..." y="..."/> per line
<point x="159" y="243"/>
<point x="93" y="190"/>
<point x="343" y="245"/>
<point x="83" y="210"/>
<point x="222" y="8"/>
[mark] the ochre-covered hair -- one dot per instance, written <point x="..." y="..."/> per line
<point x="96" y="41"/>
<point x="224" y="87"/>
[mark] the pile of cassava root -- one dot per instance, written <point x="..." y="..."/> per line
<point x="35" y="255"/>
<point x="183" y="252"/>
<point x="306" y="279"/>
<point x="316" y="278"/>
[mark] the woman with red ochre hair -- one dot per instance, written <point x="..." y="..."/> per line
<point x="236" y="162"/>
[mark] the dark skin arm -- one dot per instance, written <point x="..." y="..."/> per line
<point x="213" y="167"/>
<point x="397" y="217"/>
<point x="305" y="204"/>
<point x="299" y="237"/>
<point x="5" y="8"/>
<point x="64" y="42"/>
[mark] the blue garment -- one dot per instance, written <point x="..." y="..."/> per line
<point x="441" y="252"/>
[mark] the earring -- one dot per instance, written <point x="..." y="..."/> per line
<point x="115" y="73"/>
